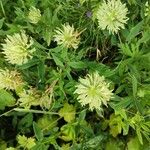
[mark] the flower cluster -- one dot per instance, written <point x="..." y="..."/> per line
<point x="34" y="97"/>
<point x="111" y="15"/>
<point x="29" y="98"/>
<point x="68" y="36"/>
<point x="93" y="90"/>
<point x="34" y="15"/>
<point x="10" y="80"/>
<point x="17" y="48"/>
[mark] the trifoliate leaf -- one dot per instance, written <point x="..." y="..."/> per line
<point x="68" y="112"/>
<point x="48" y="123"/>
<point x="68" y="132"/>
<point x="26" y="142"/>
<point x="117" y="123"/>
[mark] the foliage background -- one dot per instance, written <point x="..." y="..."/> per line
<point x="123" y="58"/>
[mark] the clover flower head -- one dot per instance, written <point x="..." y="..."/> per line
<point x="46" y="100"/>
<point x="34" y="97"/>
<point x="111" y="15"/>
<point x="34" y="15"/>
<point x="147" y="9"/>
<point x="93" y="90"/>
<point x="68" y="36"/>
<point x="29" y="97"/>
<point x="17" y="48"/>
<point x="10" y="80"/>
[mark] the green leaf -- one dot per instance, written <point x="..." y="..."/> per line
<point x="125" y="49"/>
<point x="47" y="35"/>
<point x="134" y="85"/>
<point x="6" y="99"/>
<point x="138" y="132"/>
<point x="57" y="60"/>
<point x="26" y="142"/>
<point x="37" y="131"/>
<point x="31" y="63"/>
<point x="145" y="37"/>
<point x="82" y="1"/>
<point x="135" y="31"/>
<point x="121" y="103"/>
<point x="117" y="123"/>
<point x="47" y="122"/>
<point x="47" y="16"/>
<point x="134" y="144"/>
<point x="68" y="112"/>
<point x="40" y="146"/>
<point x="41" y="71"/>
<point x="68" y="132"/>
<point x="78" y="65"/>
<point x="1" y="22"/>
<point x="3" y="145"/>
<point x="101" y="68"/>
<point x="112" y="145"/>
<point x="122" y="113"/>
<point x="26" y="121"/>
<point x="94" y="142"/>
<point x="82" y="115"/>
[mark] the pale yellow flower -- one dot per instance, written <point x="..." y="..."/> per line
<point x="17" y="48"/>
<point x="34" y="15"/>
<point x="68" y="36"/>
<point x="111" y="15"/>
<point x="10" y="80"/>
<point x="34" y="97"/>
<point x="29" y="98"/>
<point x="46" y="100"/>
<point x="94" y="91"/>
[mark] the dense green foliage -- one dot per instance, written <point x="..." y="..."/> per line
<point x="51" y="117"/>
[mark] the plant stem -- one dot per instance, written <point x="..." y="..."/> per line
<point x="35" y="111"/>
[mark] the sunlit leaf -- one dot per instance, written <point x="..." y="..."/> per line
<point x="68" y="112"/>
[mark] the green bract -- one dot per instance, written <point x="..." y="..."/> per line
<point x="63" y="90"/>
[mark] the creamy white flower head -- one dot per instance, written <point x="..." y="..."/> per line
<point x="68" y="36"/>
<point x="93" y="90"/>
<point x="111" y="15"/>
<point x="34" y="15"/>
<point x="10" y="80"/>
<point x="29" y="98"/>
<point x="147" y="9"/>
<point x="17" y="48"/>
